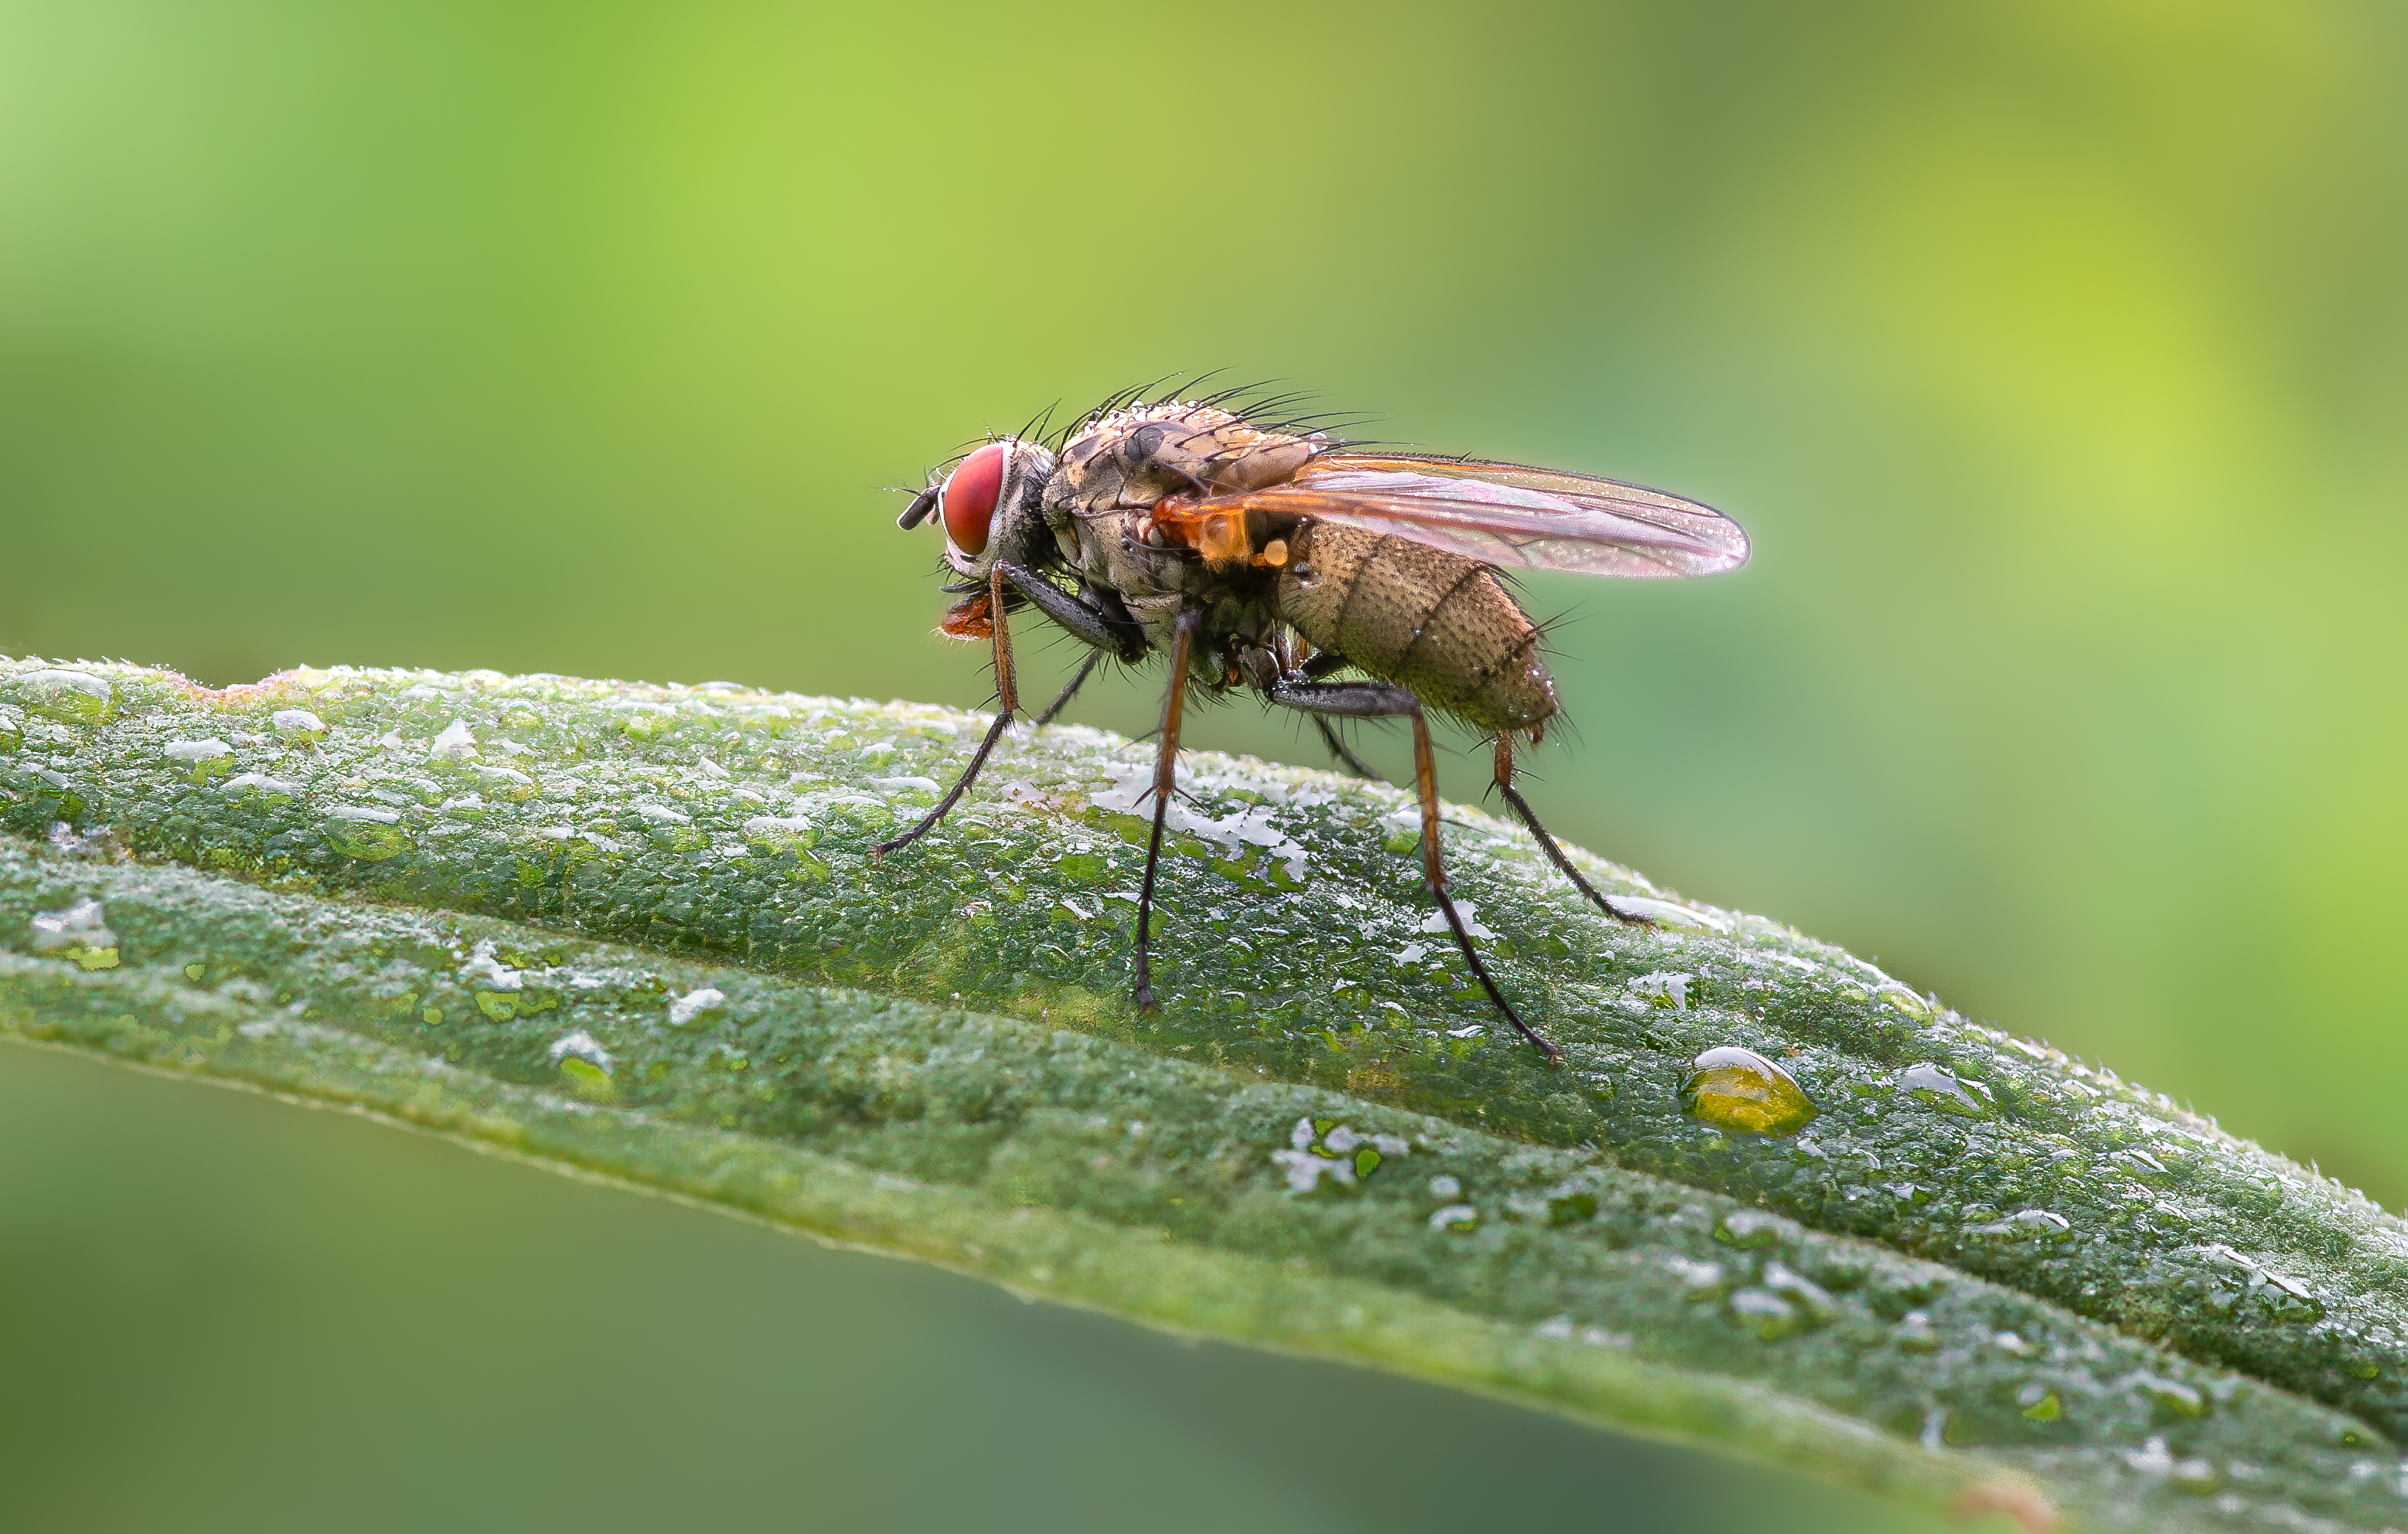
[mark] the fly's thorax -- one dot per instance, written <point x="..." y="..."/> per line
<point x="1437" y="624"/>
<point x="1136" y="457"/>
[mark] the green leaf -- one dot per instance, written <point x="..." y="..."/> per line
<point x="637" y="929"/>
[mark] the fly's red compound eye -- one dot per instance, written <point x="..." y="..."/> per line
<point x="969" y="497"/>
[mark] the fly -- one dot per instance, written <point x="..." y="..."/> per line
<point x="1341" y="584"/>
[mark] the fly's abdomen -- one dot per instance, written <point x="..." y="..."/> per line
<point x="1437" y="624"/>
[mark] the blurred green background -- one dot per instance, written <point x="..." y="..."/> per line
<point x="2055" y="355"/>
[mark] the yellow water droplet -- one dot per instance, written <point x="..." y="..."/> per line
<point x="1736" y="1088"/>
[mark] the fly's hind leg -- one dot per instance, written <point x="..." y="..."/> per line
<point x="1314" y="667"/>
<point x="1547" y="843"/>
<point x="1384" y="700"/>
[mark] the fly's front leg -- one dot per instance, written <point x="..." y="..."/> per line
<point x="1165" y="779"/>
<point x="1098" y="617"/>
<point x="1006" y="697"/>
<point x="1547" y="844"/>
<point x="1384" y="700"/>
<point x="1105" y="626"/>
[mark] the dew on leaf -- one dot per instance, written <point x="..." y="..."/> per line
<point x="1736" y="1088"/>
<point x="71" y="696"/>
<point x="1944" y="1090"/>
<point x="78" y="933"/>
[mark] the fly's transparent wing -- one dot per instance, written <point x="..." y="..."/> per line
<point x="1507" y="514"/>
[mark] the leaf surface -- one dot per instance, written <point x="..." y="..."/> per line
<point x="637" y="929"/>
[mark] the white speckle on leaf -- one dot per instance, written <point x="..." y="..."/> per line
<point x="584" y="1046"/>
<point x="80" y="926"/>
<point x="1669" y="986"/>
<point x="496" y="975"/>
<point x="1248" y="825"/>
<point x="1435" y="920"/>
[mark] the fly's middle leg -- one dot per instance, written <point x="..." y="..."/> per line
<point x="1062" y="698"/>
<point x="1166" y="780"/>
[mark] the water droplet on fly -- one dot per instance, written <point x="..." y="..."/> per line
<point x="1736" y="1088"/>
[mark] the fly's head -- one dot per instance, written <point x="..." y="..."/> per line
<point x="990" y="506"/>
